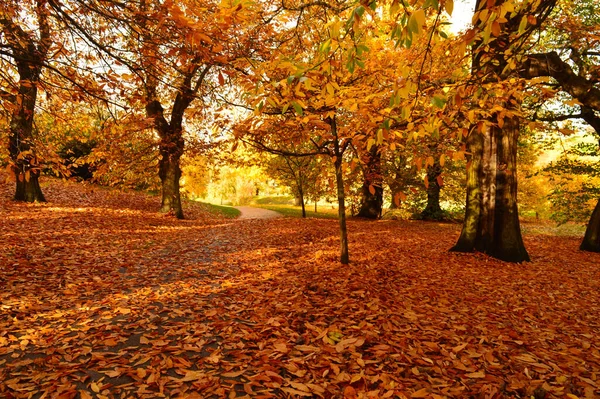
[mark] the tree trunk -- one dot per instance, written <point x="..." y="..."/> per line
<point x="302" y="204"/>
<point x="591" y="240"/>
<point x="492" y="218"/>
<point x="492" y="221"/>
<point x="433" y="210"/>
<point x="25" y="165"/>
<point x="169" y="171"/>
<point x="339" y="178"/>
<point x="171" y="148"/>
<point x="372" y="190"/>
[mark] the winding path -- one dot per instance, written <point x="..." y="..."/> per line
<point x="249" y="212"/>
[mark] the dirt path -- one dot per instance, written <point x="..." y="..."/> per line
<point x="249" y="212"/>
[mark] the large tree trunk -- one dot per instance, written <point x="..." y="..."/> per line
<point x="25" y="165"/>
<point x="372" y="189"/>
<point x="492" y="221"/>
<point x="171" y="149"/>
<point x="591" y="240"/>
<point x="433" y="210"/>
<point x="29" y="52"/>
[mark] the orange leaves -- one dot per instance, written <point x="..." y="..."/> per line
<point x="224" y="308"/>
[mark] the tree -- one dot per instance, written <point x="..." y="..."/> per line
<point x="26" y="43"/>
<point x="177" y="55"/>
<point x="301" y="174"/>
<point x="492" y="221"/>
<point x="371" y="204"/>
<point x="567" y="71"/>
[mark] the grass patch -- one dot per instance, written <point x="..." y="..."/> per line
<point x="296" y="211"/>
<point x="221" y="210"/>
<point x="274" y="200"/>
<point x="550" y="228"/>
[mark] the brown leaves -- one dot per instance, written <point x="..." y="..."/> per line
<point x="209" y="307"/>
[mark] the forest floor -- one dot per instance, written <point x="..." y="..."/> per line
<point x="102" y="297"/>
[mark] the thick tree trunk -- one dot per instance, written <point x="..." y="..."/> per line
<point x="492" y="221"/>
<point x="171" y="149"/>
<point x="372" y="190"/>
<point x="469" y="233"/>
<point x="433" y="210"/>
<point x="591" y="240"/>
<point x="170" y="173"/>
<point x="25" y="165"/>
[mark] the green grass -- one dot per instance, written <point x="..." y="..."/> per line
<point x="225" y="211"/>
<point x="296" y="211"/>
<point x="274" y="200"/>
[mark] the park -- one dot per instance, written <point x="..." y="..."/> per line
<point x="325" y="199"/>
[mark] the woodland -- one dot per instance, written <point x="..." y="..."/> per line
<point x="453" y="169"/>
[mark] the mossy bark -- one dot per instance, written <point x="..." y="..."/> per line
<point x="491" y="221"/>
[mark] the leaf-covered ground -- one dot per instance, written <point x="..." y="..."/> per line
<point x="102" y="297"/>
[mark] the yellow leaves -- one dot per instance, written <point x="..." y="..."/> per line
<point x="417" y="21"/>
<point x="449" y="6"/>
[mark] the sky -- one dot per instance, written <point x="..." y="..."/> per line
<point x="462" y="14"/>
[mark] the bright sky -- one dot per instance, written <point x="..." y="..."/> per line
<point x="462" y="14"/>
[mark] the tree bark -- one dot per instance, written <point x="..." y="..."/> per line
<point x="25" y="165"/>
<point x="491" y="221"/>
<point x="169" y="171"/>
<point x="339" y="177"/>
<point x="591" y="239"/>
<point x="171" y="148"/>
<point x="433" y="210"/>
<point x="302" y="203"/>
<point x="29" y="56"/>
<point x="550" y="64"/>
<point x="372" y="190"/>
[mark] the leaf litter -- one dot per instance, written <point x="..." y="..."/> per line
<point x="104" y="298"/>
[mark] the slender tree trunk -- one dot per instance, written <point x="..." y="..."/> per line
<point x="302" y="203"/>
<point x="339" y="178"/>
<point x="372" y="190"/>
<point x="591" y="240"/>
<point x="433" y="210"/>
